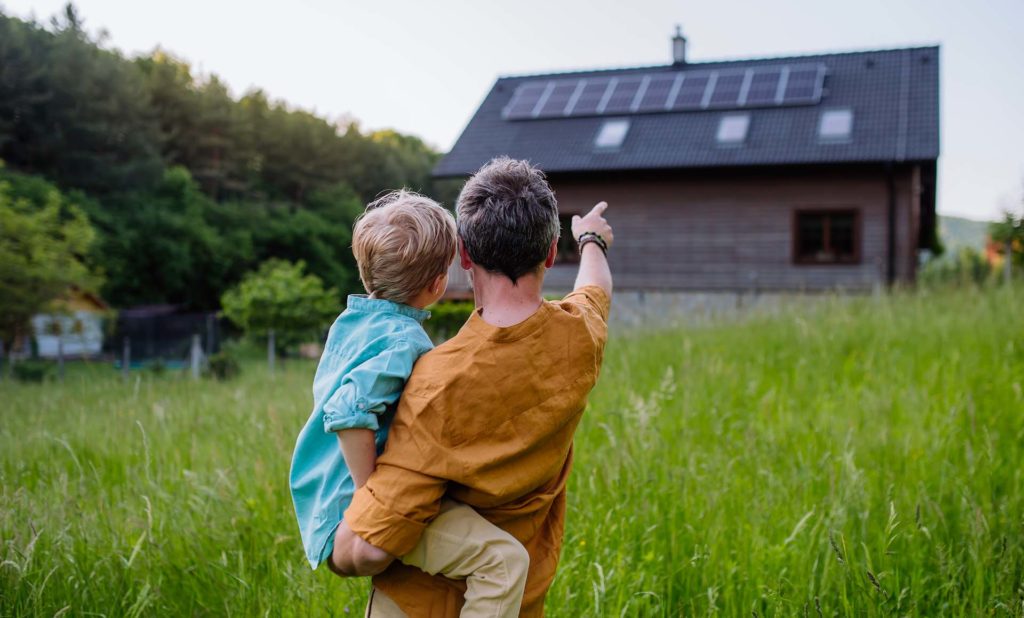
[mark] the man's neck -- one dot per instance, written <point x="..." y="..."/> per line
<point x="505" y="303"/>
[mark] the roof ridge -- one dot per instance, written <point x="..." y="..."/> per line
<point x="805" y="56"/>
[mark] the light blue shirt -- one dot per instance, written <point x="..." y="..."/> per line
<point x="368" y="356"/>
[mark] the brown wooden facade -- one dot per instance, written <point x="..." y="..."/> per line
<point x="734" y="230"/>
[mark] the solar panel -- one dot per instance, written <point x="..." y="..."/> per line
<point x="656" y="93"/>
<point x="524" y="100"/>
<point x="763" y="87"/>
<point x="691" y="93"/>
<point x="620" y="100"/>
<point x="558" y="99"/>
<point x="727" y="90"/>
<point x="590" y="97"/>
<point x="803" y="86"/>
<point x="687" y="90"/>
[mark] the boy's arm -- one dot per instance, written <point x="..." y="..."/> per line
<point x="594" y="268"/>
<point x="359" y="449"/>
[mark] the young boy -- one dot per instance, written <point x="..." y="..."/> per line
<point x="404" y="244"/>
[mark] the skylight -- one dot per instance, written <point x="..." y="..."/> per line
<point x="836" y="125"/>
<point x="612" y="133"/>
<point x="732" y="129"/>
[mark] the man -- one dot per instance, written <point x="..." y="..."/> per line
<point x="488" y="418"/>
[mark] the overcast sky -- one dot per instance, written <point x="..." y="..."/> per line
<point x="423" y="66"/>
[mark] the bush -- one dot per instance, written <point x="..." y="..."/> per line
<point x="966" y="267"/>
<point x="157" y="368"/>
<point x="32" y="370"/>
<point x="223" y="366"/>
<point x="447" y="318"/>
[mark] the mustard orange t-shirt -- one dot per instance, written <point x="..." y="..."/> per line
<point x="487" y="419"/>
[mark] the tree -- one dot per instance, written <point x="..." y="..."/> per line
<point x="161" y="246"/>
<point x="43" y="252"/>
<point x="187" y="186"/>
<point x="1010" y="232"/>
<point x="282" y="298"/>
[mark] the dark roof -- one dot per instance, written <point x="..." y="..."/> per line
<point x="894" y="96"/>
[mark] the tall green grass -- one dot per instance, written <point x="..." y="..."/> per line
<point x="860" y="457"/>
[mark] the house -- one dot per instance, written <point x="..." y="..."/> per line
<point x="74" y="329"/>
<point x="805" y="173"/>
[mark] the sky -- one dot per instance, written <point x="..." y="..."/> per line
<point x="422" y="67"/>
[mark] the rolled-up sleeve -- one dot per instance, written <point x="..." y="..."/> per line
<point x="401" y="497"/>
<point x="366" y="390"/>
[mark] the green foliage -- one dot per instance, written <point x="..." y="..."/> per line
<point x="44" y="243"/>
<point x="73" y="111"/>
<point x="966" y="267"/>
<point x="189" y="186"/>
<point x="447" y="318"/>
<point x="281" y="297"/>
<point x="223" y="365"/>
<point x="1010" y="231"/>
<point x="764" y="466"/>
<point x="32" y="370"/>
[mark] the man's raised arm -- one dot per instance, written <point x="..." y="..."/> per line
<point x="593" y="261"/>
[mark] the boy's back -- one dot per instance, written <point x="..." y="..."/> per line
<point x="370" y="341"/>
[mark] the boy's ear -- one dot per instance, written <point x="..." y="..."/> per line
<point x="552" y="253"/>
<point x="464" y="260"/>
<point x="438" y="284"/>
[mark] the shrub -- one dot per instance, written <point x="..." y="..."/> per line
<point x="223" y="366"/>
<point x="447" y="318"/>
<point x="280" y="296"/>
<point x="966" y="267"/>
<point x="157" y="367"/>
<point x="32" y="370"/>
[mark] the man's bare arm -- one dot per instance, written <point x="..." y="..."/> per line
<point x="354" y="557"/>
<point x="594" y="268"/>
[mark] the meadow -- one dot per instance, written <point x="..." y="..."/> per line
<point x="856" y="457"/>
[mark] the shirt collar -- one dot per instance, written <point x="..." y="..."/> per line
<point x="362" y="302"/>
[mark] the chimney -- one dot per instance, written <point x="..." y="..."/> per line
<point x="679" y="47"/>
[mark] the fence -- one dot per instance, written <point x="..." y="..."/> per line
<point x="162" y="334"/>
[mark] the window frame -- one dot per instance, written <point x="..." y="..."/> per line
<point x="855" y="259"/>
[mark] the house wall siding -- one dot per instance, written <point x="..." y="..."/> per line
<point x="736" y="233"/>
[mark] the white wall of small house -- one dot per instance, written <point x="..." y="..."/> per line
<point x="82" y="334"/>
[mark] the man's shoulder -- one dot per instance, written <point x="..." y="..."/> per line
<point x="590" y="299"/>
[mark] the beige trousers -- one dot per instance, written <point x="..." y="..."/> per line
<point x="460" y="544"/>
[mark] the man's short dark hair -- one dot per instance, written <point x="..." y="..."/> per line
<point x="507" y="217"/>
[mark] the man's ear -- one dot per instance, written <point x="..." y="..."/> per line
<point x="552" y="253"/>
<point x="464" y="260"/>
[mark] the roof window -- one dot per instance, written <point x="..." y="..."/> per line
<point x="732" y="129"/>
<point x="836" y="125"/>
<point x="612" y="134"/>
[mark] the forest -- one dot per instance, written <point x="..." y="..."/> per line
<point x="185" y="186"/>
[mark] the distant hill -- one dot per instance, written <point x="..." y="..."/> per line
<point x="957" y="232"/>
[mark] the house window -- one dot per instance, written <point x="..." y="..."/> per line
<point x="826" y="237"/>
<point x="732" y="129"/>
<point x="567" y="253"/>
<point x="612" y="134"/>
<point x="836" y="125"/>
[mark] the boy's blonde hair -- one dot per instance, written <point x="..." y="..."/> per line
<point x="401" y="243"/>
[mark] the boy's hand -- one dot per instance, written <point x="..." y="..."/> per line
<point x="594" y="222"/>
